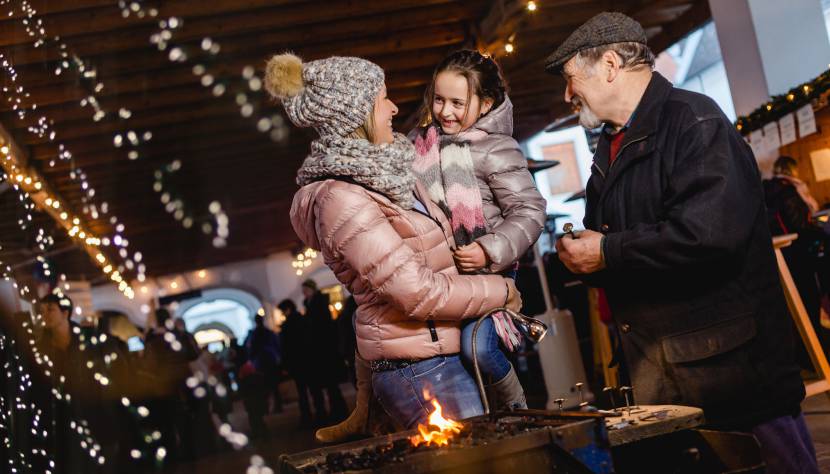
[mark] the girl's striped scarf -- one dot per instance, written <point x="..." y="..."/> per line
<point x="445" y="166"/>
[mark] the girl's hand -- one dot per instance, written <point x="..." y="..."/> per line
<point x="471" y="258"/>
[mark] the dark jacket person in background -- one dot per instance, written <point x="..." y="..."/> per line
<point x="296" y="354"/>
<point x="789" y="211"/>
<point x="328" y="364"/>
<point x="678" y="237"/>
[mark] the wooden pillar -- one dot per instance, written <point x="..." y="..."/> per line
<point x="802" y="320"/>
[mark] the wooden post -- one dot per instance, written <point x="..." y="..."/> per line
<point x="802" y="320"/>
<point x="601" y="342"/>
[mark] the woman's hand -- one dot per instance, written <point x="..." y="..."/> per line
<point x="471" y="258"/>
<point x="514" y="298"/>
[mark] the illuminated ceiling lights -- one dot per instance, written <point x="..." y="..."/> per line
<point x="303" y="260"/>
<point x="72" y="224"/>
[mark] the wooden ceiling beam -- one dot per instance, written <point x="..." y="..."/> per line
<point x="692" y="19"/>
<point x="229" y="136"/>
<point x="109" y="18"/>
<point x="121" y="35"/>
<point x="154" y="118"/>
<point x="145" y="57"/>
<point x="167" y="97"/>
<point x="50" y="7"/>
<point x="409" y="41"/>
<point x="198" y="160"/>
<point x="194" y="130"/>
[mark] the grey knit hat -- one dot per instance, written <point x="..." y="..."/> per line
<point x="604" y="28"/>
<point x="334" y="95"/>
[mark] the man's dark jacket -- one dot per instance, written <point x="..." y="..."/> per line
<point x="691" y="276"/>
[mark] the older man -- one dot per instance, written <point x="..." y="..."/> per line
<point x="677" y="236"/>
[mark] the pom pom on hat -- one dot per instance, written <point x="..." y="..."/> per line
<point x="284" y="76"/>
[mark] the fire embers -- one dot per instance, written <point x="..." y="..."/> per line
<point x="438" y="431"/>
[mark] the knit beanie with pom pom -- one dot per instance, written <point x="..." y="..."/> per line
<point x="334" y="95"/>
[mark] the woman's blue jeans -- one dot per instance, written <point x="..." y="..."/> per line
<point x="492" y="362"/>
<point x="402" y="394"/>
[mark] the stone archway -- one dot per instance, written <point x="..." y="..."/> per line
<point x="229" y="308"/>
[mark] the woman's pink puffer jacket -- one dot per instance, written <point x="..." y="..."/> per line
<point x="398" y="265"/>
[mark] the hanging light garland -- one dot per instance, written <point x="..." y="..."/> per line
<point x="88" y="76"/>
<point x="174" y="203"/>
<point x="32" y="187"/>
<point x="130" y="139"/>
<point x="247" y="95"/>
<point x="26" y="183"/>
<point x="809" y="92"/>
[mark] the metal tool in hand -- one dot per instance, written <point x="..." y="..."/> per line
<point x="533" y="329"/>
<point x="568" y="228"/>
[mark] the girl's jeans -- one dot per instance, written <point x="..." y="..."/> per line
<point x="405" y="393"/>
<point x="492" y="362"/>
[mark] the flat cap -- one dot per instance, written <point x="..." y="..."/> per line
<point x="604" y="28"/>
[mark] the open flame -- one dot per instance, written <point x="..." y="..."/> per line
<point x="439" y="429"/>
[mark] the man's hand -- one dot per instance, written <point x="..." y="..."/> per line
<point x="471" y="258"/>
<point x="582" y="254"/>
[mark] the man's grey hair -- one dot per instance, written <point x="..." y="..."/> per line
<point x="633" y="55"/>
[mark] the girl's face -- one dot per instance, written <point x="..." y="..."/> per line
<point x="450" y="105"/>
<point x="383" y="113"/>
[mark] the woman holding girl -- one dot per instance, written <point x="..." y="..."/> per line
<point x="383" y="237"/>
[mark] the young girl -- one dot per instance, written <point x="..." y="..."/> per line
<point x="475" y="171"/>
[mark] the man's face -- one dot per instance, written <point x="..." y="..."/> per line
<point x="308" y="292"/>
<point x="584" y="90"/>
<point x="53" y="315"/>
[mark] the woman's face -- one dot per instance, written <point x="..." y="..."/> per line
<point x="385" y="109"/>
<point x="449" y="103"/>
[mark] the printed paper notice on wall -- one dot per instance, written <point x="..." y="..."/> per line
<point x="821" y="163"/>
<point x="787" y="127"/>
<point x="806" y="121"/>
<point x="771" y="139"/>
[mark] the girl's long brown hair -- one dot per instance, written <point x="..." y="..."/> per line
<point x="483" y="75"/>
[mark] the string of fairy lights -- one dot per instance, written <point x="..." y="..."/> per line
<point x="75" y="229"/>
<point x="26" y="183"/>
<point x="88" y="77"/>
<point x="30" y="182"/>
<point x="199" y="384"/>
<point x="247" y="95"/>
<point x="175" y="203"/>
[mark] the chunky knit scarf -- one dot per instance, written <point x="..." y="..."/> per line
<point x="384" y="168"/>
<point x="445" y="166"/>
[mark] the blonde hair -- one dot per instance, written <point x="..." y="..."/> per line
<point x="367" y="130"/>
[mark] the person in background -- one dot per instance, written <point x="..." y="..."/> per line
<point x="167" y="358"/>
<point x="329" y="364"/>
<point x="262" y="347"/>
<point x="790" y="207"/>
<point x="297" y="346"/>
<point x="676" y="234"/>
<point x="63" y="358"/>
